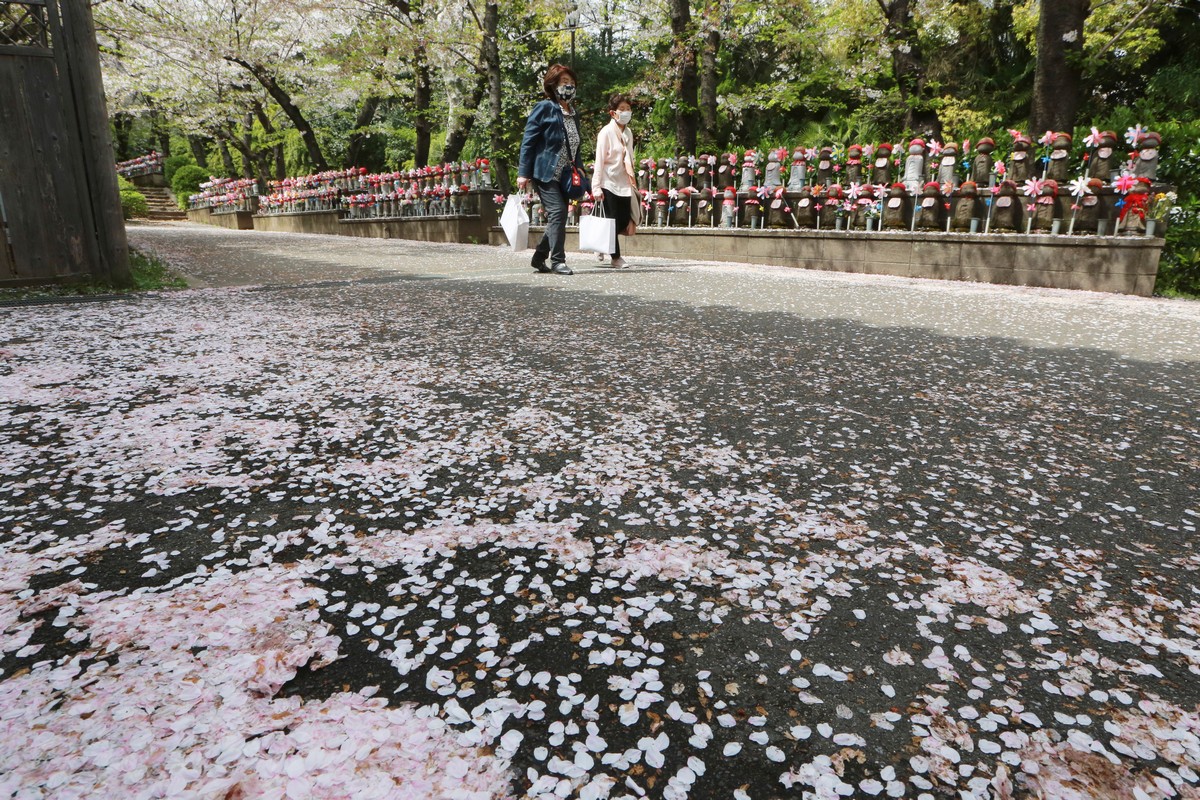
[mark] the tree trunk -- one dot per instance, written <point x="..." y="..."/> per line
<point x="226" y="157"/>
<point x="422" y="101"/>
<point x="87" y="86"/>
<point x="247" y="148"/>
<point x="358" y="137"/>
<point x="456" y="137"/>
<point x="708" y="77"/>
<point x="684" y="52"/>
<point x="297" y="118"/>
<point x="1058" y="81"/>
<point x="491" y="60"/>
<point x="908" y="68"/>
<point x="199" y="149"/>
<point x="122" y="124"/>
<point x="160" y="134"/>
<point x="277" y="148"/>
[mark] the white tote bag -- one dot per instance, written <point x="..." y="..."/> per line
<point x="515" y="221"/>
<point x="597" y="233"/>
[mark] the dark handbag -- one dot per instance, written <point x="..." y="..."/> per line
<point x="574" y="184"/>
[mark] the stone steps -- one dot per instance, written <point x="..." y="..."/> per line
<point x="161" y="204"/>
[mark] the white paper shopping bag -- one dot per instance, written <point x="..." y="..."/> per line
<point x="597" y="233"/>
<point x="515" y="222"/>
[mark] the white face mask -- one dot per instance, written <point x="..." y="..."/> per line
<point x="623" y="117"/>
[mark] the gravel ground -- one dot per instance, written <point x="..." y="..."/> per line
<point x="388" y="519"/>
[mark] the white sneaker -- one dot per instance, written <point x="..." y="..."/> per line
<point x="619" y="263"/>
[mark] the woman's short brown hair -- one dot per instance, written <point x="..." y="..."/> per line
<point x="555" y="72"/>
<point x="615" y="101"/>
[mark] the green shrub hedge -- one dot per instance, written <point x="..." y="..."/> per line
<point x="133" y="202"/>
<point x="186" y="182"/>
<point x="172" y="165"/>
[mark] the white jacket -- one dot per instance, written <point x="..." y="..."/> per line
<point x="614" y="160"/>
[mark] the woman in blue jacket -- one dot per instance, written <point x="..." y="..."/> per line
<point x="551" y="145"/>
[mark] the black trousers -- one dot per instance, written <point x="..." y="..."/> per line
<point x="617" y="207"/>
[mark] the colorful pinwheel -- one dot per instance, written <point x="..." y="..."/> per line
<point x="1033" y="187"/>
<point x="1134" y="135"/>
<point x="1124" y="183"/>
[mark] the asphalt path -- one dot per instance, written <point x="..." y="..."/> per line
<point x="375" y="518"/>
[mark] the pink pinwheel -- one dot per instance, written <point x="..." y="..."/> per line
<point x="879" y="190"/>
<point x="1014" y="133"/>
<point x="1093" y="138"/>
<point x="1033" y="187"/>
<point x="1047" y="138"/>
<point x="1134" y="135"/>
<point x="999" y="169"/>
<point x="1124" y="183"/>
<point x="935" y="148"/>
<point x="1079" y="187"/>
<point x="855" y="191"/>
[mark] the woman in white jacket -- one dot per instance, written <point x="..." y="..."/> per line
<point x="613" y="181"/>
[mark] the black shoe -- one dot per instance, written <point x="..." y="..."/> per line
<point x="562" y="269"/>
<point x="539" y="263"/>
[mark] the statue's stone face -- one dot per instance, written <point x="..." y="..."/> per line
<point x="915" y="150"/>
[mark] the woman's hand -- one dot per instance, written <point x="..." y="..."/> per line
<point x="522" y="183"/>
<point x="598" y="195"/>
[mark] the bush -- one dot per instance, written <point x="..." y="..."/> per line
<point x="186" y="182"/>
<point x="1179" y="269"/>
<point x="133" y="202"/>
<point x="172" y="165"/>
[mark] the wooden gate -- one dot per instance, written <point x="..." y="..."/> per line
<point x="60" y="208"/>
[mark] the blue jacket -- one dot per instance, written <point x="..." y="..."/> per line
<point x="544" y="133"/>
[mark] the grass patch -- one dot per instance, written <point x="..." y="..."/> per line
<point x="149" y="274"/>
<point x="1176" y="294"/>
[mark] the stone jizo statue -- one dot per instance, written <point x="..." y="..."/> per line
<point x="981" y="165"/>
<point x="1020" y="163"/>
<point x="897" y="207"/>
<point x="772" y="176"/>
<point x="914" y="166"/>
<point x="1008" y="213"/>
<point x="854" y="167"/>
<point x="1060" y="154"/>
<point x="881" y="167"/>
<point x="798" y="174"/>
<point x="748" y="179"/>
<point x="729" y="208"/>
<point x="1102" y="161"/>
<point x="947" y="173"/>
<point x="825" y="166"/>
<point x="1146" y="163"/>
<point x="964" y="206"/>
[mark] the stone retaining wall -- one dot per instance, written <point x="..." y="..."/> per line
<point x="235" y="220"/>
<point x="1124" y="264"/>
<point x="461" y="229"/>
